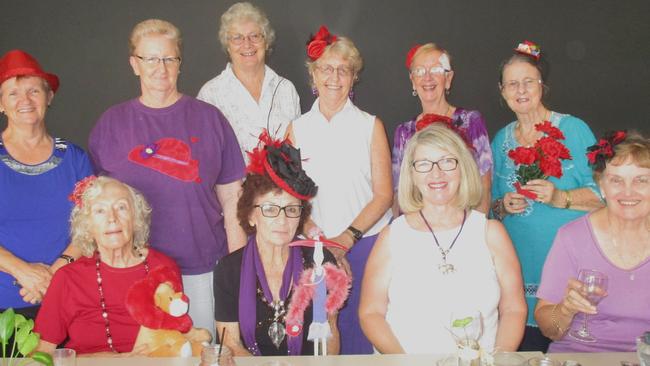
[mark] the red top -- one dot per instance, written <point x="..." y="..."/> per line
<point x="71" y="308"/>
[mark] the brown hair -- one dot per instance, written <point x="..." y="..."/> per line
<point x="257" y="185"/>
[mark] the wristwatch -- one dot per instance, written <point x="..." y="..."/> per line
<point x="356" y="233"/>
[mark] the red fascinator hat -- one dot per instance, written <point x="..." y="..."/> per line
<point x="20" y="63"/>
<point x="410" y="54"/>
<point x="281" y="162"/>
<point x="316" y="44"/>
<point x="602" y="152"/>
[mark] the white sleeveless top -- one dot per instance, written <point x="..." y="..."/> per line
<point x="336" y="156"/>
<point x="422" y="299"/>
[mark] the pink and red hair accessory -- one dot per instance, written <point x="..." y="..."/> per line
<point x="410" y="54"/>
<point x="431" y="118"/>
<point x="530" y="49"/>
<point x="316" y="45"/>
<point x="80" y="187"/>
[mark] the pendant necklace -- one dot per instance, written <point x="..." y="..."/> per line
<point x="444" y="267"/>
<point x="276" y="331"/>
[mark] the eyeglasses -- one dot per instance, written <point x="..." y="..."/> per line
<point x="513" y="85"/>
<point x="153" y="61"/>
<point x="425" y="166"/>
<point x="238" y="39"/>
<point x="271" y="210"/>
<point x="328" y="70"/>
<point x="421" y="71"/>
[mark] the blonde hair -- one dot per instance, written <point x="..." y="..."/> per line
<point x="634" y="149"/>
<point x="439" y="136"/>
<point x="80" y="225"/>
<point x="155" y="27"/>
<point x="429" y="47"/>
<point x="241" y="12"/>
<point x="345" y="48"/>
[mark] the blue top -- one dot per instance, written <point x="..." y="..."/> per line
<point x="35" y="210"/>
<point x="532" y="232"/>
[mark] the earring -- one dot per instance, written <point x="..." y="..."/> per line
<point x="351" y="94"/>
<point x="314" y="91"/>
<point x="414" y="93"/>
<point x="447" y="91"/>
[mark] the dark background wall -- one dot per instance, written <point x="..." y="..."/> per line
<point x="598" y="51"/>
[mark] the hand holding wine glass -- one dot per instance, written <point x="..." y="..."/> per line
<point x="593" y="289"/>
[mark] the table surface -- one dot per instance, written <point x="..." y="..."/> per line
<point x="585" y="359"/>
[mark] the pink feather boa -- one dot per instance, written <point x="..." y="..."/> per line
<point x="338" y="285"/>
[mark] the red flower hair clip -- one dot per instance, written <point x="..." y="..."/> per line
<point x="79" y="189"/>
<point x="603" y="151"/>
<point x="410" y="54"/>
<point x="530" y="49"/>
<point x="316" y="45"/>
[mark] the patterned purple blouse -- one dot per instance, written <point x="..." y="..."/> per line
<point x="471" y="121"/>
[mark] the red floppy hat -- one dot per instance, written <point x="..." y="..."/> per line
<point x="20" y="63"/>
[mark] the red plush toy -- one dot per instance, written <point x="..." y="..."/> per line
<point x="158" y="304"/>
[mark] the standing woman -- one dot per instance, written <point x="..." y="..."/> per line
<point x="248" y="92"/>
<point x="346" y="153"/>
<point x="431" y="75"/>
<point x="533" y="223"/>
<point x="37" y="173"/>
<point x="182" y="154"/>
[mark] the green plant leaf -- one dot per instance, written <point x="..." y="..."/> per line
<point x="29" y="344"/>
<point x="20" y="320"/>
<point x="462" y="323"/>
<point x="21" y="334"/>
<point x="7" y="319"/>
<point x="43" y="358"/>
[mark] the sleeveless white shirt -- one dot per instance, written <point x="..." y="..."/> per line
<point x="336" y="156"/>
<point x="422" y="299"/>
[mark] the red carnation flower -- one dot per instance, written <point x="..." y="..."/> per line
<point x="550" y="130"/>
<point x="551" y="166"/>
<point x="80" y="187"/>
<point x="523" y="155"/>
<point x="551" y="147"/>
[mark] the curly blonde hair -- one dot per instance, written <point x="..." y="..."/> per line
<point x="80" y="225"/>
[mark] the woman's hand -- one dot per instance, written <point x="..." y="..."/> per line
<point x="34" y="278"/>
<point x="514" y="202"/>
<point x="346" y="240"/>
<point x="543" y="188"/>
<point x="575" y="300"/>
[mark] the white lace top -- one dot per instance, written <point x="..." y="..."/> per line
<point x="279" y="104"/>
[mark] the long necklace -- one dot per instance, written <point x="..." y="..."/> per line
<point x="444" y="267"/>
<point x="102" y="300"/>
<point x="277" y="329"/>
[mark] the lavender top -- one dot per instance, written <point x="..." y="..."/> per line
<point x="622" y="315"/>
<point x="470" y="121"/>
<point x="175" y="156"/>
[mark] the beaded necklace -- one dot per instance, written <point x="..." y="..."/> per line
<point x="102" y="300"/>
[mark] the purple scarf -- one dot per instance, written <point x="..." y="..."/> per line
<point x="252" y="270"/>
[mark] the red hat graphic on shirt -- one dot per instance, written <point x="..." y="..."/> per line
<point x="168" y="156"/>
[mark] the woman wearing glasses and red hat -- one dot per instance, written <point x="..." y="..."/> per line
<point x="38" y="173"/>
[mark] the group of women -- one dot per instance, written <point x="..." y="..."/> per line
<point x="325" y="173"/>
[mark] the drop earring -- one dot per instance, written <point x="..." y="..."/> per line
<point x="314" y="91"/>
<point x="414" y="93"/>
<point x="351" y="94"/>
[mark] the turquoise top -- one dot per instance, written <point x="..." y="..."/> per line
<point x="532" y="232"/>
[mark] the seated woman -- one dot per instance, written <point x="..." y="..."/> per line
<point x="252" y="285"/>
<point x="441" y="256"/>
<point x="614" y="240"/>
<point x="85" y="301"/>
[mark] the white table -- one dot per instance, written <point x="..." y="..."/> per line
<point x="596" y="359"/>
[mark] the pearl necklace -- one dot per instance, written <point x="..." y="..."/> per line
<point x="102" y="300"/>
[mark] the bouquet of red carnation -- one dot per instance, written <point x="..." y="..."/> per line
<point x="542" y="160"/>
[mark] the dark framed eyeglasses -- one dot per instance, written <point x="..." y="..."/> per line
<point x="271" y="210"/>
<point x="444" y="164"/>
<point x="153" y="61"/>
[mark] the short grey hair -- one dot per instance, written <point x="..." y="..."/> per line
<point x="241" y="12"/>
<point x="80" y="218"/>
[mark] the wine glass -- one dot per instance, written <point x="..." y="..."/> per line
<point x="594" y="286"/>
<point x="467" y="328"/>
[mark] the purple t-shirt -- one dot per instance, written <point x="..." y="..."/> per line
<point x="175" y="156"/>
<point x="623" y="314"/>
<point x="470" y="121"/>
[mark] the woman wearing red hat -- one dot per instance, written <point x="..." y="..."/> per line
<point x="37" y="173"/>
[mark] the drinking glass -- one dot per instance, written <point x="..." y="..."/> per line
<point x="594" y="286"/>
<point x="643" y="351"/>
<point x="64" y="357"/>
<point x="466" y="327"/>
